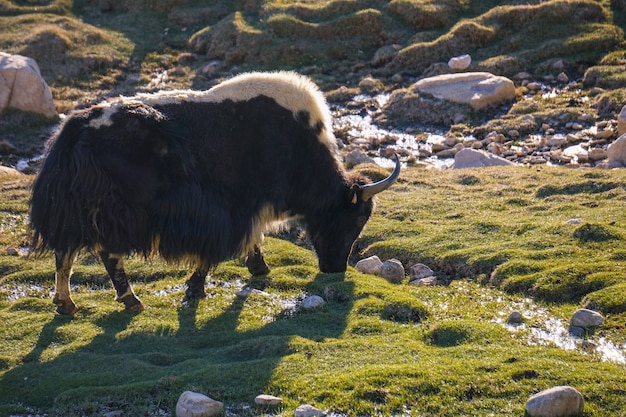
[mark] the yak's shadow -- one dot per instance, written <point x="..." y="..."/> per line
<point x="207" y="356"/>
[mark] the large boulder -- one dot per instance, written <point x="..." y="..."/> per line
<point x="559" y="401"/>
<point x="474" y="158"/>
<point x="22" y="87"/>
<point x="447" y="99"/>
<point x="477" y="89"/>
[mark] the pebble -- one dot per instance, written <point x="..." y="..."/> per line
<point x="425" y="282"/>
<point x="561" y="401"/>
<point x="308" y="410"/>
<point x="193" y="404"/>
<point x="369" y="265"/>
<point x="586" y="318"/>
<point x="392" y="270"/>
<point x="419" y="271"/>
<point x="265" y="399"/>
<point x="515" y="318"/>
<point x="313" y="301"/>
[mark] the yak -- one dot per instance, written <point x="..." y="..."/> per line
<point x="197" y="176"/>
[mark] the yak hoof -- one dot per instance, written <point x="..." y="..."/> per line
<point x="257" y="267"/>
<point x="132" y="303"/>
<point x="194" y="294"/>
<point x="65" y="307"/>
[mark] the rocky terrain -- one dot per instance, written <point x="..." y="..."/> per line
<point x="565" y="57"/>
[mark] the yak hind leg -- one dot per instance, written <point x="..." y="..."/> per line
<point x="124" y="293"/>
<point x="195" y="284"/>
<point x="64" y="267"/>
<point x="256" y="262"/>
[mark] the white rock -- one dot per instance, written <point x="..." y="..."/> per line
<point x="265" y="399"/>
<point x="616" y="153"/>
<point x="419" y="271"/>
<point x="308" y="410"/>
<point x="313" y="301"/>
<point x="559" y="401"/>
<point x="461" y="62"/>
<point x="392" y="270"/>
<point x="621" y="122"/>
<point x="193" y="404"/>
<point x="369" y="265"/>
<point x="586" y="318"/>
<point x="475" y="158"/>
<point x="357" y="157"/>
<point x="22" y="87"/>
<point x="477" y="89"/>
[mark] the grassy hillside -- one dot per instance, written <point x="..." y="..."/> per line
<point x="498" y="239"/>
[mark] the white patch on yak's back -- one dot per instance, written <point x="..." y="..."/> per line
<point x="290" y="90"/>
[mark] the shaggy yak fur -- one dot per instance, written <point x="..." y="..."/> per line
<point x="197" y="176"/>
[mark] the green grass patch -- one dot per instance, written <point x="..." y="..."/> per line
<point x="495" y="241"/>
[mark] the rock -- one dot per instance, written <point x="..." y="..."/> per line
<point x="384" y="55"/>
<point x="559" y="401"/>
<point x="621" y="122"/>
<point x="425" y="282"/>
<point x="597" y="154"/>
<point x="265" y="399"/>
<point x="475" y="158"/>
<point x="461" y="62"/>
<point x="392" y="270"/>
<point x="369" y="265"/>
<point x="586" y="318"/>
<point x="357" y="157"/>
<point x="419" y="271"/>
<point x="313" y="301"/>
<point x="577" y="331"/>
<point x="12" y="251"/>
<point x="616" y="153"/>
<point x="478" y="89"/>
<point x="193" y="404"/>
<point x="369" y="85"/>
<point x="22" y="87"/>
<point x="308" y="410"/>
<point x="515" y="318"/>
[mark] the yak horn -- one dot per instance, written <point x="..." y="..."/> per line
<point x="370" y="190"/>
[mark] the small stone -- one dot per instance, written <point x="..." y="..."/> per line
<point x="534" y="86"/>
<point x="193" y="404"/>
<point x="562" y="77"/>
<point x="515" y="318"/>
<point x="586" y="318"/>
<point x="605" y="134"/>
<point x="308" y="410"/>
<point x="313" y="301"/>
<point x="575" y="221"/>
<point x="265" y="399"/>
<point x="369" y="265"/>
<point x="425" y="282"/>
<point x="460" y="62"/>
<point x="559" y="401"/>
<point x="419" y="271"/>
<point x="11" y="251"/>
<point x="597" y="154"/>
<point x="577" y="331"/>
<point x="357" y="157"/>
<point x="392" y="270"/>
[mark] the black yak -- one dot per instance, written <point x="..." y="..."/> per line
<point x="197" y="176"/>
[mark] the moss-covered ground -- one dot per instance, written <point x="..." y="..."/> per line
<point x="548" y="239"/>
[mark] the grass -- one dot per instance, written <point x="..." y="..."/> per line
<point x="498" y="240"/>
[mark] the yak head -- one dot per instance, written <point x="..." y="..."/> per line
<point x="334" y="232"/>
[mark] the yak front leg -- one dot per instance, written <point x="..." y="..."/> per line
<point x="123" y="291"/>
<point x="256" y="262"/>
<point x="64" y="267"/>
<point x="195" y="284"/>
